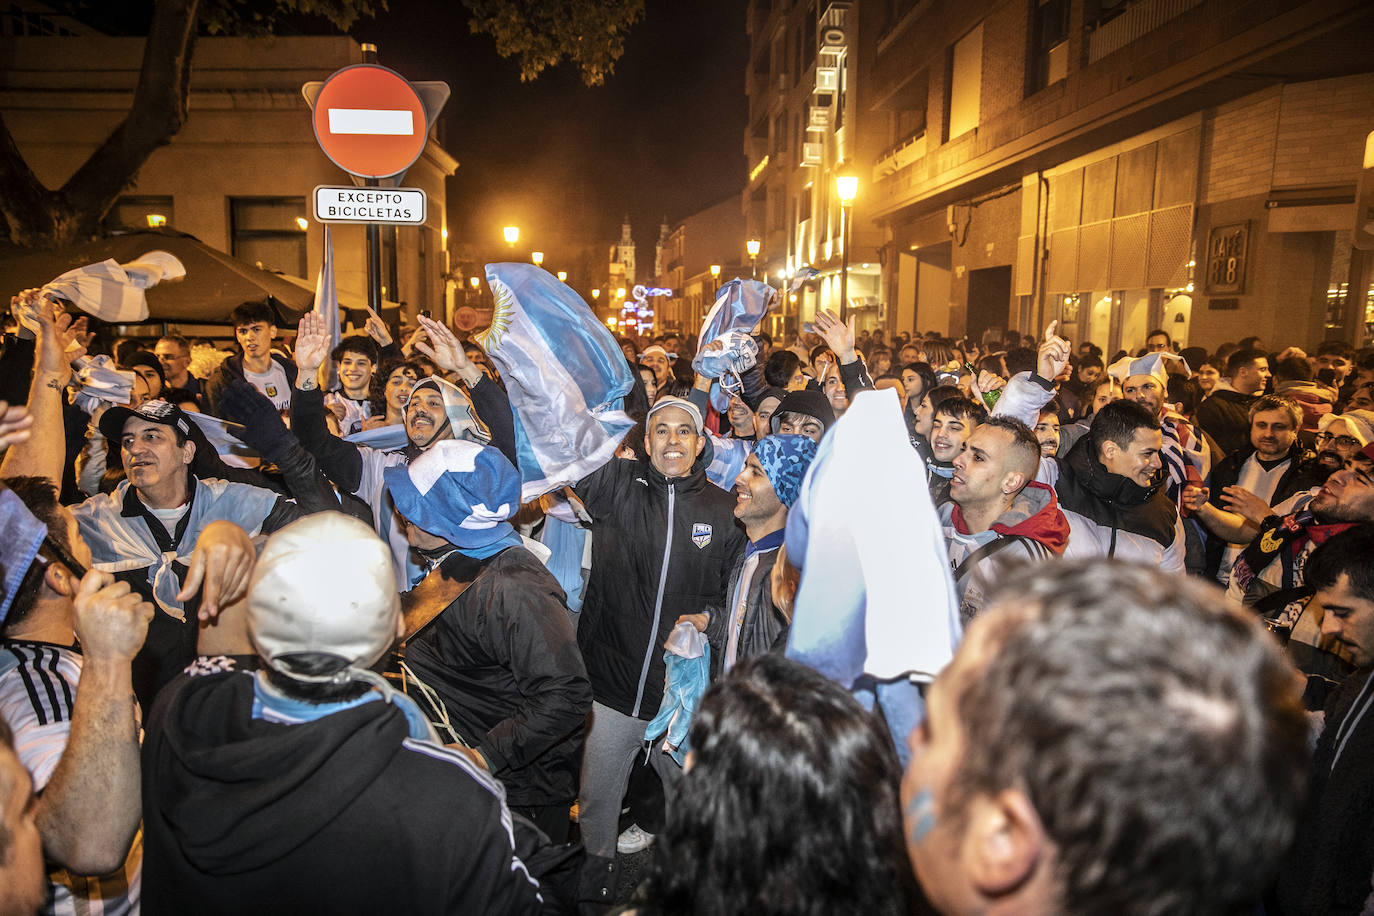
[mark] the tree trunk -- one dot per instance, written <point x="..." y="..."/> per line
<point x="43" y="218"/>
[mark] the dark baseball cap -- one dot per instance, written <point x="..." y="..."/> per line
<point x="154" y="411"/>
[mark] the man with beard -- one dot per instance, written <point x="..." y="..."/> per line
<point x="1339" y="437"/>
<point x="1186" y="455"/>
<point x="996" y="504"/>
<point x="436" y="410"/>
<point x="1268" y="574"/>
<point x="1245" y="484"/>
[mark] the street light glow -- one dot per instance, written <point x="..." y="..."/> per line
<point x="715" y="270"/>
<point x="156" y="220"/>
<point x="596" y="293"/>
<point x="512" y="234"/>
<point x="753" y="246"/>
<point x="302" y="223"/>
<point x="537" y="257"/>
<point x="620" y="293"/>
<point x="846" y="187"/>
<point x="475" y="281"/>
<point x="563" y="276"/>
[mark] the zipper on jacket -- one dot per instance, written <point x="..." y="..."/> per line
<point x="658" y="603"/>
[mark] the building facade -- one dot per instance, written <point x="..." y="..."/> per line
<point x="807" y="126"/>
<point x="240" y="173"/>
<point x="1120" y="166"/>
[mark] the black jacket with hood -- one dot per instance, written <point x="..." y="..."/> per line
<point x="345" y="814"/>
<point x="661" y="548"/>
<point x="232" y="369"/>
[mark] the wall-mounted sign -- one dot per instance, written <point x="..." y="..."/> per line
<point x="1226" y="249"/>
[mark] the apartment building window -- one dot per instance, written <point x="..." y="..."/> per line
<point x="809" y="42"/>
<point x="1049" y="44"/>
<point x="390" y="283"/>
<point x="780" y="134"/>
<point x="265" y="231"/>
<point x="133" y="212"/>
<point x="965" y="84"/>
<point x="777" y="216"/>
<point x="804" y="205"/>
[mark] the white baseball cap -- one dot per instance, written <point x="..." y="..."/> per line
<point x="324" y="584"/>
<point x="680" y="404"/>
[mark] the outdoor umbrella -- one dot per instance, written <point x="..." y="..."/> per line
<point x="215" y="282"/>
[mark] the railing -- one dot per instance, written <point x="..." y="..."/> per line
<point x="1135" y="22"/>
<point x="900" y="155"/>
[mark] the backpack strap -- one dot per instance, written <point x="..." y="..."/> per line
<point x="983" y="552"/>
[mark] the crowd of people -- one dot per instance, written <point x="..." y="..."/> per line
<point x="285" y="630"/>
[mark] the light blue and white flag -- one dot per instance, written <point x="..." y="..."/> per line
<point x="114" y="292"/>
<point x="565" y="375"/>
<point x="327" y="305"/>
<point x="876" y="595"/>
<point x="740" y="305"/>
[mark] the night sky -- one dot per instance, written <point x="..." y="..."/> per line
<point x="662" y="136"/>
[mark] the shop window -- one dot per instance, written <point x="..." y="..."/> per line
<point x="269" y="232"/>
<point x="965" y="84"/>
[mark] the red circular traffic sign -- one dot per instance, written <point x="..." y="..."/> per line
<point x="369" y="121"/>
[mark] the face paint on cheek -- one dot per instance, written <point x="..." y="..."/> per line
<point x="920" y="814"/>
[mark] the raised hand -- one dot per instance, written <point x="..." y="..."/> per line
<point x="312" y="343"/>
<point x="837" y="335"/>
<point x="446" y="350"/>
<point x="220" y="567"/>
<point x="1053" y="355"/>
<point x="377" y="329"/>
<point x="1244" y="503"/>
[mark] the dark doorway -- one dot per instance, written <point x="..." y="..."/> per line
<point x="989" y="300"/>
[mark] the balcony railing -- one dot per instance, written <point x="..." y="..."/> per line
<point x="1135" y="22"/>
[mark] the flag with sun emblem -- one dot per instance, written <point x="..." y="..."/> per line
<point x="564" y="372"/>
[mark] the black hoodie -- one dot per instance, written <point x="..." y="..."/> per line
<point x="345" y="814"/>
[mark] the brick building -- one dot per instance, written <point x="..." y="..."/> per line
<point x="714" y="235"/>
<point x="1186" y="164"/>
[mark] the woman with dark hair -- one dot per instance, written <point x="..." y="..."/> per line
<point x="390" y="391"/>
<point x="789" y="804"/>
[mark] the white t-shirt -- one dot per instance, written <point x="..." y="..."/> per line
<point x="37" y="694"/>
<point x="274" y="385"/>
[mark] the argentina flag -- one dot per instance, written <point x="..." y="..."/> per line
<point x="565" y="375"/>
<point x="876" y="595"/>
<point x="740" y="305"/>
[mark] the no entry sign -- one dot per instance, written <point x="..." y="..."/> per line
<point x="370" y="121"/>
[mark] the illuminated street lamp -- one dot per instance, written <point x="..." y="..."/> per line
<point x="753" y="246"/>
<point x="537" y="257"/>
<point x="475" y="281"/>
<point x="562" y="276"/>
<point x="596" y="294"/>
<point x="620" y="293"/>
<point x="512" y="235"/>
<point x="156" y="220"/>
<point x="846" y="189"/>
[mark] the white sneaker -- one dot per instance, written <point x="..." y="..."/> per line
<point x="633" y="840"/>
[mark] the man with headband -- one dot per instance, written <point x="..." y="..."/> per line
<point x="505" y="675"/>
<point x="310" y="786"/>
<point x="437" y="410"/>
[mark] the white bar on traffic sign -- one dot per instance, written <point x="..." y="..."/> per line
<point x="403" y="206"/>
<point x="378" y="121"/>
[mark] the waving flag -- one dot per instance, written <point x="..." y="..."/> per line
<point x="114" y="292"/>
<point x="565" y="374"/>
<point x="863" y="530"/>
<point x="327" y="304"/>
<point x="740" y="305"/>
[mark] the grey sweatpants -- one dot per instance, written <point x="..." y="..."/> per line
<point x="612" y="743"/>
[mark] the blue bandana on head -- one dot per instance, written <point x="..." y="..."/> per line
<point x="462" y="492"/>
<point x="20" y="537"/>
<point x="785" y="460"/>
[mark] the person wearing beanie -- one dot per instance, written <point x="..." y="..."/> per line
<point x="806" y="412"/>
<point x="505" y="675"/>
<point x="664" y="539"/>
<point x="149" y="368"/>
<point x="311" y="786"/>
<point x="749" y="622"/>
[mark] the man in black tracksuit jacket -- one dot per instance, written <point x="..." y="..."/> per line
<point x="663" y="542"/>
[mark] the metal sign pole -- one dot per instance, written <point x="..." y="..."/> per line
<point x="374" y="230"/>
